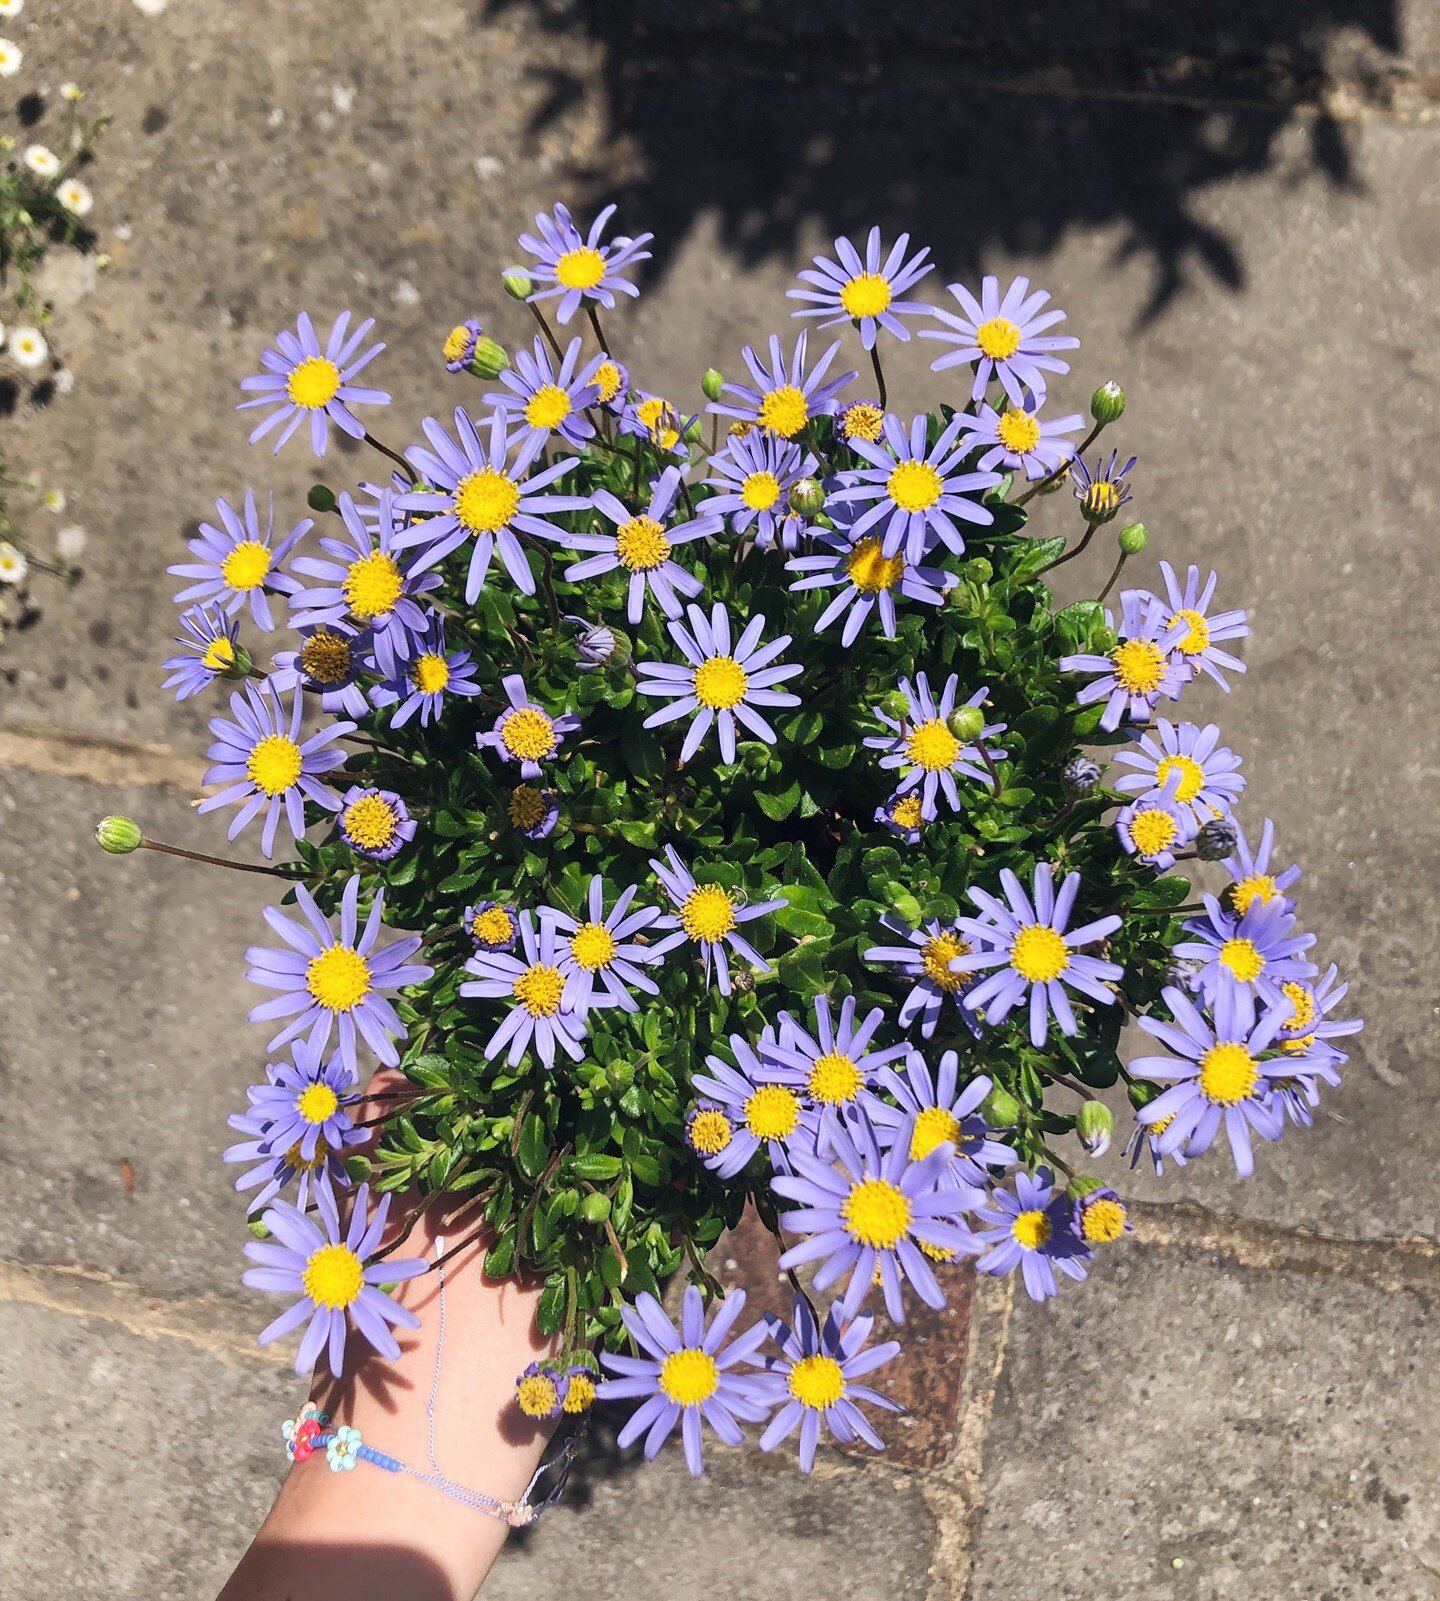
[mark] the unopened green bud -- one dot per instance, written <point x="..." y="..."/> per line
<point x="978" y="570"/>
<point x="357" y="1168"/>
<point x="966" y="723"/>
<point x="1133" y="539"/>
<point x="321" y="498"/>
<point x="1107" y="404"/>
<point x="118" y="835"/>
<point x="711" y="383"/>
<point x="595" y="1208"/>
<point x="1094" y="1126"/>
<point x="1000" y="1109"/>
<point x="518" y="283"/>
<point x="239" y="665"/>
<point x="895" y="703"/>
<point x="489" y="360"/>
<point x="693" y="431"/>
<point x="807" y="497"/>
<point x="1084" y="1184"/>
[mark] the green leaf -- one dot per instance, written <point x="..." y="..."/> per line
<point x="778" y="806"/>
<point x="550" y="1313"/>
<point x="532" y="1153"/>
<point x="500" y="1258"/>
<point x="1037" y="554"/>
<point x="1080" y="628"/>
<point x="594" y="1168"/>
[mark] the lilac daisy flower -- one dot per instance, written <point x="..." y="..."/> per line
<point x="743" y="1110"/>
<point x="479" y="494"/>
<point x="722" y="682"/>
<point x="612" y="385"/>
<point x="1030" y="945"/>
<point x="643" y="545"/>
<point x="866" y="578"/>
<point x="1140" y="669"/>
<point x="547" y="399"/>
<point x="653" y="418"/>
<point x="239" y="561"/>
<point x="536" y="984"/>
<point x="861" y="419"/>
<point x="1100" y="1217"/>
<point x="863" y="290"/>
<point x="917" y="492"/>
<point x="1032" y="1229"/>
<point x="533" y="811"/>
<point x="753" y="476"/>
<point x="1189" y="603"/>
<point x="328" y="982"/>
<point x="1255" y="952"/>
<point x="1216" y="1076"/>
<point x="709" y="915"/>
<point x="1253" y="878"/>
<point x="1019" y="440"/>
<point x="783" y="399"/>
<point x="375" y="823"/>
<point x="365" y="580"/>
<point x="335" y="1274"/>
<point x="1207" y="774"/>
<point x="903" y="815"/>
<point x="873" y="1211"/>
<point x="686" y="1376"/>
<point x="459" y="348"/>
<point x="833" y="1068"/>
<point x="421" y="685"/>
<point x="1154" y="827"/>
<point x="264" y="767"/>
<point x="922" y="749"/>
<point x="601" y="949"/>
<point x="492" y="926"/>
<point x="524" y="732"/>
<point x="1308" y="1031"/>
<point x="328" y="663"/>
<point x="1102" y="489"/>
<point x="577" y="267"/>
<point x="812" y="1381"/>
<point x="210" y="638"/>
<point x="936" y="1111"/>
<point x="303" y="380"/>
<point x="925" y="956"/>
<point x="1004" y="336"/>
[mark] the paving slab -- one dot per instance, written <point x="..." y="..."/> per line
<point x="1177" y="1430"/>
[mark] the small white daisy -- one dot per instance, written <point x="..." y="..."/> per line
<point x="75" y="197"/>
<point x="11" y="55"/>
<point x="28" y="347"/>
<point x="151" y="8"/>
<point x="13" y="566"/>
<point x="71" y="92"/>
<point x="11" y="8"/>
<point x="53" y="500"/>
<point x="41" y="160"/>
<point x="70" y="543"/>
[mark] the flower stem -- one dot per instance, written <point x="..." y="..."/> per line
<point x="394" y="456"/>
<point x="1070" y="555"/>
<point x="546" y="329"/>
<point x="1110" y="581"/>
<point x="1064" y="466"/>
<point x="594" y="317"/>
<point x="879" y="375"/>
<point x="215" y="861"/>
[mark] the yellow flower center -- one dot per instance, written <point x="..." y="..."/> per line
<point x="862" y="421"/>
<point x="371" y="822"/>
<point x="485" y="501"/>
<point x="908" y="811"/>
<point x="1258" y="887"/>
<point x="338" y="978"/>
<point x="372" y="586"/>
<point x="658" y="417"/>
<point x="219" y="655"/>
<point x="914" y="486"/>
<point x="936" y="1253"/>
<point x="299" y="1163"/>
<point x="526" y="807"/>
<point x="772" y="1112"/>
<point x="834" y="1079"/>
<point x="689" y="1377"/>
<point x="707" y="913"/>
<point x="1241" y="958"/>
<point x="1227" y="1074"/>
<point x="430" y="674"/>
<point x="313" y="383"/>
<point x="866" y="296"/>
<point x="1103" y="1221"/>
<point x="274" y="764"/>
<point x="1039" y="955"/>
<point x="1302" y="1005"/>
<point x="325" y="657"/>
<point x="934" y="1127"/>
<point x="1139" y="666"/>
<point x="333" y="1277"/>
<point x="536" y="1395"/>
<point x="1153" y="831"/>
<point x="580" y="1395"/>
<point x="641" y="545"/>
<point x="876" y="1213"/>
<point x="870" y="569"/>
<point x="932" y="746"/>
<point x="247" y="566"/>
<point x="998" y="338"/>
<point x="581" y="268"/>
<point x="1198" y="639"/>
<point x="1192" y="776"/>
<point x="548" y="407"/>
<point x="710" y="1131"/>
<point x="493" y="926"/>
<point x="528" y="734"/>
<point x="1018" y="431"/>
<point x="539" y="988"/>
<point x="817" y="1381"/>
<point x="936" y="955"/>
<point x="457" y="342"/>
<point x="784" y="411"/>
<point x="1031" y="1229"/>
<point x="760" y="491"/>
<point x="720" y="683"/>
<point x="593" y="946"/>
<point x="318" y="1103"/>
<point x="607" y="381"/>
<point x="1102" y="497"/>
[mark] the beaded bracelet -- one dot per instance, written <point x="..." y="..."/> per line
<point x="344" y="1447"/>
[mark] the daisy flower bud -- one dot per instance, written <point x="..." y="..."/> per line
<point x="966" y="723"/>
<point x="321" y="498"/>
<point x="1217" y="839"/>
<point x="118" y="835"/>
<point x="518" y="283"/>
<point x="1080" y="775"/>
<point x="1107" y="404"/>
<point x="1094" y="1127"/>
<point x="1133" y="539"/>
<point x="1000" y="1109"/>
<point x="807" y="497"/>
<point x="595" y="1208"/>
<point x="711" y="383"/>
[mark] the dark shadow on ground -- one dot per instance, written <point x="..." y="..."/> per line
<point x="975" y="127"/>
